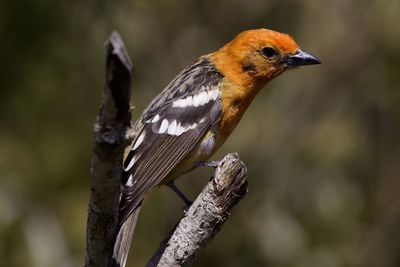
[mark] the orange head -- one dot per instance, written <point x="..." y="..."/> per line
<point x="254" y="57"/>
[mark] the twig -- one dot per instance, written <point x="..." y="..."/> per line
<point x="111" y="135"/>
<point x="206" y="215"/>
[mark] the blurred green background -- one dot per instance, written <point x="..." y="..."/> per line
<point x="321" y="143"/>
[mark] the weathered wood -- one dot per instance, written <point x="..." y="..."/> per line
<point x="206" y="215"/>
<point x="111" y="133"/>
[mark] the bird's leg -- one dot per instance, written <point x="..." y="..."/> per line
<point x="212" y="163"/>
<point x="174" y="188"/>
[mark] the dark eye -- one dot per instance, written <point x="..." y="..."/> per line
<point x="269" y="52"/>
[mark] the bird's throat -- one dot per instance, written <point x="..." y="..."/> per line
<point x="235" y="100"/>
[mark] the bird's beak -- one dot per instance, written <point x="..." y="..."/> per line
<point x="301" y="58"/>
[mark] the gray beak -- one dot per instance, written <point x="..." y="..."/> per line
<point x="301" y="58"/>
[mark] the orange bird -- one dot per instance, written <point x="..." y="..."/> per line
<point x="193" y="116"/>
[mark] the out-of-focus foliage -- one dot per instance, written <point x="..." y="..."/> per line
<point x="321" y="143"/>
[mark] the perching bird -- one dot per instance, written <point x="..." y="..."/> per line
<point x="193" y="116"/>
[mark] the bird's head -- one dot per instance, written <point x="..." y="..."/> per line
<point x="254" y="57"/>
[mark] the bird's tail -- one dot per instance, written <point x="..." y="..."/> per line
<point x="123" y="240"/>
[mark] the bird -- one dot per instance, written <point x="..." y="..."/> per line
<point x="191" y="118"/>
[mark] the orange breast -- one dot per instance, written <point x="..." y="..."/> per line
<point x="235" y="101"/>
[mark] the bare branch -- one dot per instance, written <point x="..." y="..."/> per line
<point x="111" y="131"/>
<point x="206" y="215"/>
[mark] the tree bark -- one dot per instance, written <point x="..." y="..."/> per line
<point x="112" y="133"/>
<point x="205" y="216"/>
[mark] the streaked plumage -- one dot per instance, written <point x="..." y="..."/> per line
<point x="192" y="117"/>
<point x="169" y="128"/>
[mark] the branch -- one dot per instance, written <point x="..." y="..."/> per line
<point x="111" y="136"/>
<point x="205" y="216"/>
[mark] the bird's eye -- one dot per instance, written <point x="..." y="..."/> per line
<point x="269" y="52"/>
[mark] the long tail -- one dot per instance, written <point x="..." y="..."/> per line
<point x="123" y="240"/>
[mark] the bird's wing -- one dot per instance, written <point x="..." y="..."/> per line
<point x="170" y="128"/>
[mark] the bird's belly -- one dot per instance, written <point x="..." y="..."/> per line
<point x="203" y="151"/>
